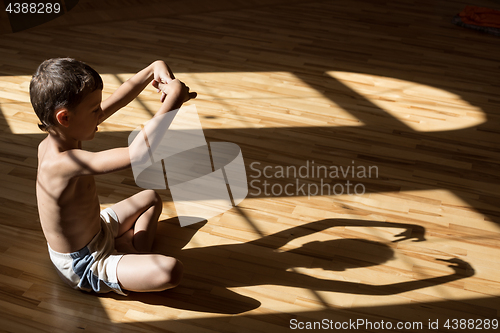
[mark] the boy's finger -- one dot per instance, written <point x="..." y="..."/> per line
<point x="167" y="79"/>
<point x="161" y="85"/>
<point x="170" y="74"/>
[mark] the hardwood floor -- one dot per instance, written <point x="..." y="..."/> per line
<point x="387" y="87"/>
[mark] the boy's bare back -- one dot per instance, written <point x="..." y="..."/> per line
<point x="68" y="207"/>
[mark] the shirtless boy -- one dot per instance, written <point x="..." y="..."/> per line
<point x="92" y="250"/>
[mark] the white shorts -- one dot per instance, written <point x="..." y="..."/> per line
<point x="93" y="268"/>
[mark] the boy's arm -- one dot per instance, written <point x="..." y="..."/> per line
<point x="79" y="162"/>
<point x="174" y="94"/>
<point x="157" y="71"/>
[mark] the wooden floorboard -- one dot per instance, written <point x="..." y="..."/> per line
<point x="390" y="85"/>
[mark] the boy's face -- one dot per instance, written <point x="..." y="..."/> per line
<point x="83" y="120"/>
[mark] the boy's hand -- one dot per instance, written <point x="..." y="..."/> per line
<point x="176" y="89"/>
<point x="162" y="74"/>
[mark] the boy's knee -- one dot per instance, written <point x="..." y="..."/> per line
<point x="157" y="199"/>
<point x="153" y="198"/>
<point x="150" y="195"/>
<point x="170" y="272"/>
<point x="176" y="273"/>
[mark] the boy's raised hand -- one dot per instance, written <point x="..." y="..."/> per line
<point x="176" y="90"/>
<point x="162" y="74"/>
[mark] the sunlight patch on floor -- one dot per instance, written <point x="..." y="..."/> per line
<point x="420" y="107"/>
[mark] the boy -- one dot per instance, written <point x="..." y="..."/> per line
<point x="66" y="94"/>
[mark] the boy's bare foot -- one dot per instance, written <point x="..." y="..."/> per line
<point x="124" y="243"/>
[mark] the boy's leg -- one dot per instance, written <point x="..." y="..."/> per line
<point x="148" y="272"/>
<point x="140" y="212"/>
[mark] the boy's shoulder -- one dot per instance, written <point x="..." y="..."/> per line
<point x="54" y="161"/>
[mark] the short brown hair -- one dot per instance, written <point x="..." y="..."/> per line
<point x="61" y="83"/>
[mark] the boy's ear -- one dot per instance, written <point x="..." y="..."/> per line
<point x="62" y="117"/>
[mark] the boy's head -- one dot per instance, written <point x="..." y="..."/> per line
<point x="61" y="83"/>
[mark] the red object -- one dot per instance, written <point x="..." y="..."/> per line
<point x="481" y="16"/>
